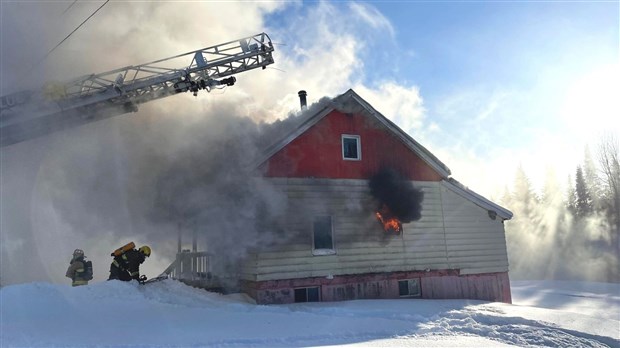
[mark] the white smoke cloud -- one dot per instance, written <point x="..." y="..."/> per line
<point x="401" y="104"/>
<point x="120" y="34"/>
<point x="316" y="50"/>
<point x="72" y="189"/>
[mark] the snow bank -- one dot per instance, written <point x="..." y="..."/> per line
<point x="169" y="314"/>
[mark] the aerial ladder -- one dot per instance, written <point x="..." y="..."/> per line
<point x="56" y="106"/>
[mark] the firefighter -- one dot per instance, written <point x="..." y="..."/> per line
<point x="78" y="271"/>
<point x="126" y="266"/>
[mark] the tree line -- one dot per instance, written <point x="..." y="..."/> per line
<point x="568" y="234"/>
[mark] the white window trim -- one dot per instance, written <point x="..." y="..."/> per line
<point x="359" y="146"/>
<point x="323" y="252"/>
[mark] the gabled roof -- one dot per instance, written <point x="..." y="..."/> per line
<point x="477" y="199"/>
<point x="351" y="102"/>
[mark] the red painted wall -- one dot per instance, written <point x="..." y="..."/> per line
<point x="318" y="152"/>
<point x="437" y="284"/>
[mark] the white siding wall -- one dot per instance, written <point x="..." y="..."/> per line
<point x="475" y="242"/>
<point x="467" y="239"/>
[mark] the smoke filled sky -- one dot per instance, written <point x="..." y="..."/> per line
<point x="485" y="86"/>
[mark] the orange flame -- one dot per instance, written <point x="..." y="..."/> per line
<point x="390" y="223"/>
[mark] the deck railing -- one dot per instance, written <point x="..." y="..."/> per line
<point x="190" y="266"/>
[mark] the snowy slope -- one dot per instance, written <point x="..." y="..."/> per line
<point x="170" y="314"/>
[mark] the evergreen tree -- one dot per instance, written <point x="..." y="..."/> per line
<point x="556" y="238"/>
<point x="593" y="182"/>
<point x="571" y="196"/>
<point x="551" y="193"/>
<point x="583" y="203"/>
<point x="523" y="195"/>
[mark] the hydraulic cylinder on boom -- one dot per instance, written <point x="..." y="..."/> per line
<point x="56" y="106"/>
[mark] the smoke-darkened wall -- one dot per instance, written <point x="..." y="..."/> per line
<point x="402" y="198"/>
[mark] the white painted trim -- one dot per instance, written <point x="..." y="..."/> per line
<point x="359" y="146"/>
<point x="477" y="199"/>
<point x="323" y="252"/>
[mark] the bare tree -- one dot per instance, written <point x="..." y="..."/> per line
<point x="610" y="167"/>
<point x="592" y="179"/>
<point x="608" y="156"/>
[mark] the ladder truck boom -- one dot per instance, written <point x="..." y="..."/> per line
<point x="28" y="114"/>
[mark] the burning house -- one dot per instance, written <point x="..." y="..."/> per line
<point x="373" y="214"/>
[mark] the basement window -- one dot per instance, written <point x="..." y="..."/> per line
<point x="351" y="147"/>
<point x="322" y="236"/>
<point x="409" y="288"/>
<point x="307" y="295"/>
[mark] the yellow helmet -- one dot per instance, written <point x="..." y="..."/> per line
<point x="145" y="250"/>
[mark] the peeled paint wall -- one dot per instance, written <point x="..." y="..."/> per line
<point x="441" y="284"/>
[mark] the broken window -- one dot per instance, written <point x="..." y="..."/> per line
<point x="307" y="295"/>
<point x="409" y="288"/>
<point x="323" y="235"/>
<point x="351" y="149"/>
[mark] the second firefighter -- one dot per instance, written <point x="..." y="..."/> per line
<point x="127" y="265"/>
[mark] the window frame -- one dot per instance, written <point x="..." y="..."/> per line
<point x="306" y="289"/>
<point x="323" y="251"/>
<point x="409" y="281"/>
<point x="358" y="140"/>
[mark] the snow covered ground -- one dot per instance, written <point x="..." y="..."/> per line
<point x="170" y="314"/>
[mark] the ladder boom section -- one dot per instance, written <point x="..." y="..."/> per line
<point x="27" y="114"/>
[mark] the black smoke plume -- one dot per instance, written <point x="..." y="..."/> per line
<point x="401" y="197"/>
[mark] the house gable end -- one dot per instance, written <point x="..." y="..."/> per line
<point x="284" y="157"/>
<point x="318" y="151"/>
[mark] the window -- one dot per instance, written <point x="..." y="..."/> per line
<point x="307" y="295"/>
<point x="409" y="288"/>
<point x="322" y="236"/>
<point x="351" y="148"/>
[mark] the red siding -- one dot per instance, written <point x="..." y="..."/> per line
<point x="438" y="284"/>
<point x="318" y="152"/>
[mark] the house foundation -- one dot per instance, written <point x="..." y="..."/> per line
<point x="435" y="284"/>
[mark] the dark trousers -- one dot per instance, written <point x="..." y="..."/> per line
<point x="117" y="273"/>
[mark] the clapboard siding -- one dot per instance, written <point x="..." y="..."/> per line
<point x="249" y="269"/>
<point x="475" y="242"/>
<point x="469" y="247"/>
<point x="456" y="249"/>
<point x="453" y="233"/>
<point x="357" y="236"/>
<point x="331" y="261"/>
<point x="363" y="269"/>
